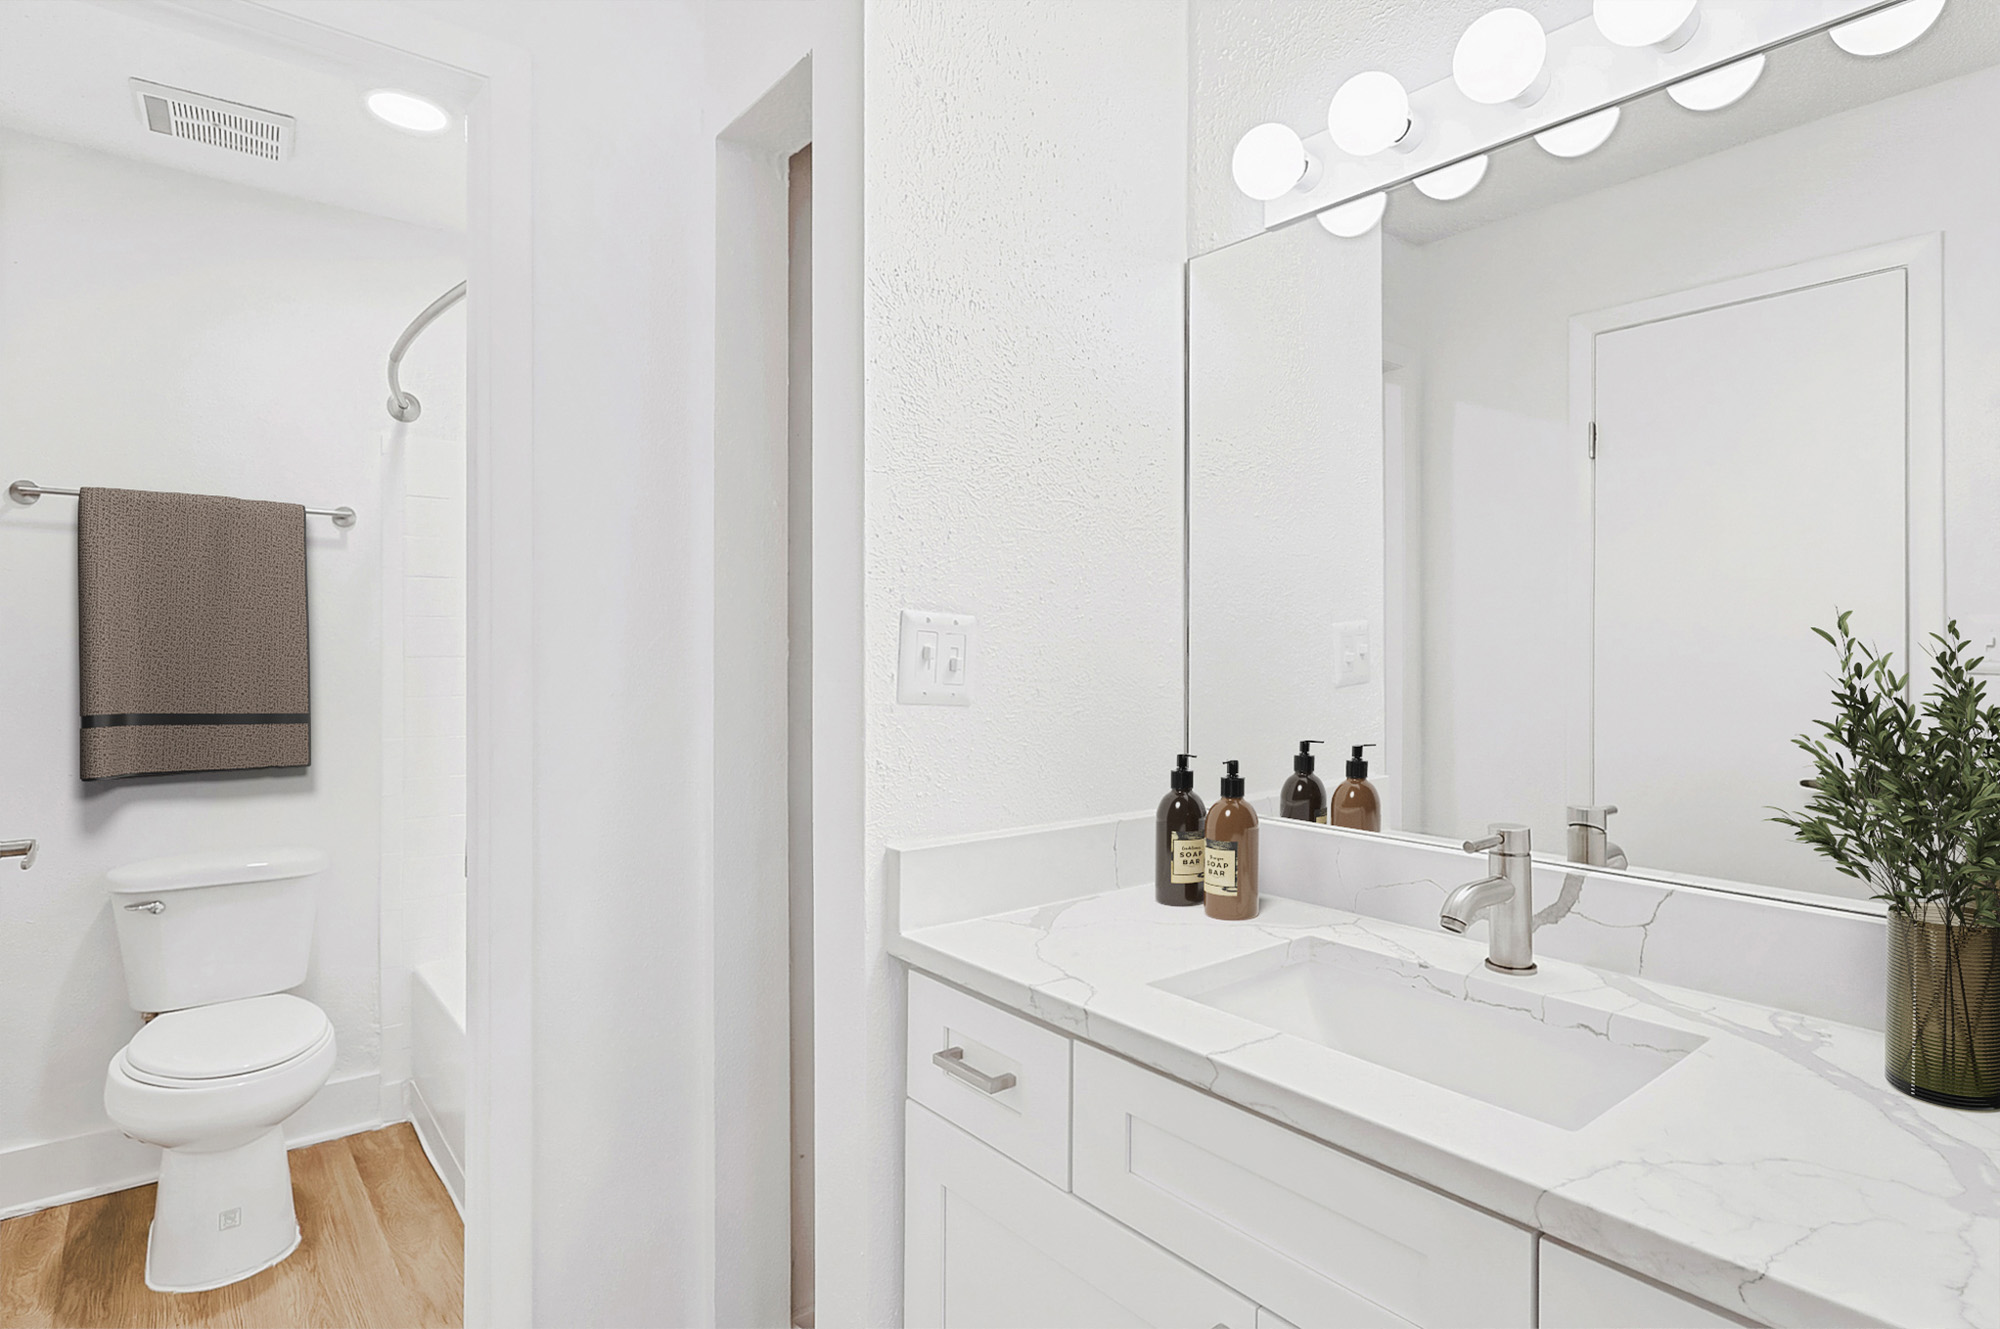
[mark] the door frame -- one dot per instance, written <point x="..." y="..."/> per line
<point x="1921" y="259"/>
<point x="489" y="82"/>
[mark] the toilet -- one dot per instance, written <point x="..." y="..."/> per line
<point x="211" y="942"/>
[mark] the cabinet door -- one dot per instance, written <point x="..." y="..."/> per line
<point x="989" y="1244"/>
<point x="1317" y="1235"/>
<point x="1582" y="1292"/>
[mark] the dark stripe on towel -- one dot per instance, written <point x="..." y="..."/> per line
<point x="158" y="717"/>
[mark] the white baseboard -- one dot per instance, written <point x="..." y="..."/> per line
<point x="432" y="1139"/>
<point x="52" y="1172"/>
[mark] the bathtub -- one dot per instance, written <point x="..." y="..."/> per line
<point x="438" y="1058"/>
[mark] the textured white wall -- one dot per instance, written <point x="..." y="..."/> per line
<point x="165" y="331"/>
<point x="1025" y="232"/>
<point x="1258" y="60"/>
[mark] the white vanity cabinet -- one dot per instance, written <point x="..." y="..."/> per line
<point x="1051" y="1185"/>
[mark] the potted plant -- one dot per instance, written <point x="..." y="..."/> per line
<point x="1906" y="797"/>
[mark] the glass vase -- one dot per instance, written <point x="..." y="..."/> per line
<point x="1943" y="1035"/>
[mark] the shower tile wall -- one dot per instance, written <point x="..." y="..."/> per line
<point x="423" y="638"/>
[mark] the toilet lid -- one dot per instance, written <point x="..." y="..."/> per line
<point x="228" y="1038"/>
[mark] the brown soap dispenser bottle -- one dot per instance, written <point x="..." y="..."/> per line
<point x="1303" y="797"/>
<point x="1356" y="805"/>
<point x="1229" y="887"/>
<point x="1180" y="833"/>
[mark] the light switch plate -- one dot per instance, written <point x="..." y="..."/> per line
<point x="1983" y="631"/>
<point x="934" y="658"/>
<point x="1351" y="661"/>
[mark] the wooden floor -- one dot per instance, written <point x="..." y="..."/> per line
<point x="382" y="1248"/>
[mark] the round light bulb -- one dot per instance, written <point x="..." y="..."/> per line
<point x="1453" y="181"/>
<point x="1666" y="24"/>
<point x="1358" y="218"/>
<point x="1718" y="87"/>
<point x="1889" y="29"/>
<point x="1370" y="113"/>
<point x="1270" y="162"/>
<point x="407" y="111"/>
<point x="1502" y="58"/>
<point x="1579" y="136"/>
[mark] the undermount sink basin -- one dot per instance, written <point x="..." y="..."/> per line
<point x="1541" y="1056"/>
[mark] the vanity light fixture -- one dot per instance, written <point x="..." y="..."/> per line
<point x="1579" y="136"/>
<point x="1889" y="29"/>
<point x="1352" y="220"/>
<point x="407" y="111"/>
<point x="1271" y="161"/>
<point x="1502" y="58"/>
<point x="1664" y="24"/>
<point x="1453" y="181"/>
<point x="1371" y="113"/>
<point x="1718" y="87"/>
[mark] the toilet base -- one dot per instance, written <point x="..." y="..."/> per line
<point x="221" y="1215"/>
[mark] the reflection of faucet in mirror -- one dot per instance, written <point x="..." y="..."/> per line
<point x="1590" y="837"/>
<point x="1506" y="895"/>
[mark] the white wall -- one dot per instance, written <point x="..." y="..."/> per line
<point x="162" y="331"/>
<point x="1024" y="243"/>
<point x="1496" y="310"/>
<point x="1286" y="481"/>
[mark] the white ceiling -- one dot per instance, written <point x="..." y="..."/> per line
<point x="1804" y="81"/>
<point x="64" y="71"/>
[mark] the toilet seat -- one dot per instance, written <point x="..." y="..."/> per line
<point x="206" y="1047"/>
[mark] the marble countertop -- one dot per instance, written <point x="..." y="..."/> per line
<point x="1772" y="1171"/>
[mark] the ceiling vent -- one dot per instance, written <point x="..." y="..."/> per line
<point x="230" y="126"/>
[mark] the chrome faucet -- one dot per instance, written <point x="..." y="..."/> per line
<point x="1590" y="837"/>
<point x="1506" y="896"/>
<point x="21" y="849"/>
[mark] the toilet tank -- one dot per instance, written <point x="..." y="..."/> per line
<point x="201" y="928"/>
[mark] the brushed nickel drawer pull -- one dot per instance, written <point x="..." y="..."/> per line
<point x="952" y="1062"/>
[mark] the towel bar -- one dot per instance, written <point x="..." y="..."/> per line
<point x="27" y="491"/>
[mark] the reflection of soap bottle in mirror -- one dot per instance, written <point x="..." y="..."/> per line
<point x="1229" y="888"/>
<point x="1303" y="797"/>
<point x="1180" y="831"/>
<point x="1356" y="805"/>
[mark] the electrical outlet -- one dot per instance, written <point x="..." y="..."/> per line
<point x="1351" y="662"/>
<point x="934" y="658"/>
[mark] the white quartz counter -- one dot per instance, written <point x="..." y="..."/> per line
<point x="1772" y="1171"/>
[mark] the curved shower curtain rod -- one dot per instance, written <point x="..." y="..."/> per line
<point x="403" y="405"/>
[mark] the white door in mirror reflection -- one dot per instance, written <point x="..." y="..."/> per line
<point x="1750" y="479"/>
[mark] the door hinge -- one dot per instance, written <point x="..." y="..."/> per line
<point x="1593" y="440"/>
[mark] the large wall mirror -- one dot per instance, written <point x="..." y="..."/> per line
<point x="1542" y="488"/>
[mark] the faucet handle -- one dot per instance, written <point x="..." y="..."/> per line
<point x="1504" y="837"/>
<point x="22" y="849"/>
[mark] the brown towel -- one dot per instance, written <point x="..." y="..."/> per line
<point x="192" y="612"/>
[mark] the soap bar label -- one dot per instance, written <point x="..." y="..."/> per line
<point x="1219" y="865"/>
<point x="1188" y="858"/>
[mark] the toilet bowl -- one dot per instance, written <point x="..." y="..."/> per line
<point x="211" y="1085"/>
<point x="211" y="941"/>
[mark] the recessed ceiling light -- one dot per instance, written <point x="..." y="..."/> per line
<point x="1889" y="29"/>
<point x="1579" y="136"/>
<point x="1358" y="218"/>
<point x="1453" y="181"/>
<point x="1719" y="87"/>
<point x="408" y="111"/>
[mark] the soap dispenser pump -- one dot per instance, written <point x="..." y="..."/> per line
<point x="1180" y="834"/>
<point x="1356" y="805"/>
<point x="1303" y="796"/>
<point x="1229" y="888"/>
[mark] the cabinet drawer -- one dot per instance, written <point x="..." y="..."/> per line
<point x="1582" y="1292"/>
<point x="989" y="1245"/>
<point x="1028" y="1120"/>
<point x="1317" y="1235"/>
